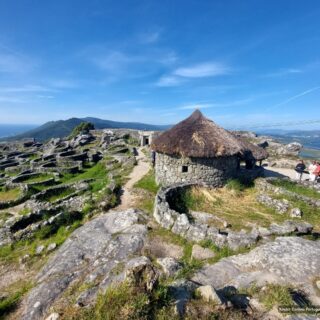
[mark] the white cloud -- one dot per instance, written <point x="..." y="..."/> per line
<point x="8" y="99"/>
<point x="216" y="105"/>
<point x="196" y="106"/>
<point x="284" y="72"/>
<point x="208" y="69"/>
<point x="63" y="83"/>
<point x="112" y="61"/>
<point x="168" y="81"/>
<point x="11" y="63"/>
<point x="26" y="88"/>
<point x="150" y="37"/>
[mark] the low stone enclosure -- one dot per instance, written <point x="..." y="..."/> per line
<point x="183" y="225"/>
<point x="23" y="196"/>
<point x="266" y="185"/>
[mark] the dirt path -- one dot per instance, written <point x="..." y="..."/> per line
<point x="283" y="172"/>
<point x="140" y="170"/>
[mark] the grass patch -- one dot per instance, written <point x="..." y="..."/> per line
<point x="11" y="253"/>
<point x="239" y="185"/>
<point x="25" y="211"/>
<point x="59" y="194"/>
<point x="9" y="303"/>
<point x="239" y="208"/>
<point x="274" y="294"/>
<point x="223" y="252"/>
<point x="309" y="213"/>
<point x="296" y="188"/>
<point x="97" y="172"/>
<point x="150" y="188"/>
<point x="148" y="182"/>
<point x="125" y="301"/>
<point x="40" y="178"/>
<point x="9" y="194"/>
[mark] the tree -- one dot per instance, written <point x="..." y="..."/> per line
<point x="83" y="127"/>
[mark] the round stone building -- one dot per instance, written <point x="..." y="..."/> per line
<point x="196" y="150"/>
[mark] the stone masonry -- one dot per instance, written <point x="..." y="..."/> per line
<point x="212" y="171"/>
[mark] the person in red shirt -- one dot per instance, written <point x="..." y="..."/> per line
<point x="316" y="172"/>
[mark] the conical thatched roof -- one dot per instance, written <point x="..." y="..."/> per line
<point x="197" y="137"/>
<point x="252" y="150"/>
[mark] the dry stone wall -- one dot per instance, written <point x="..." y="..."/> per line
<point x="212" y="171"/>
<point x="179" y="223"/>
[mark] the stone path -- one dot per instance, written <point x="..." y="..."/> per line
<point x="140" y="170"/>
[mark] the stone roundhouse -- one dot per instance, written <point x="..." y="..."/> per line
<point x="196" y="150"/>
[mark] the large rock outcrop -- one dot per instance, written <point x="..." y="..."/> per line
<point x="90" y="254"/>
<point x="290" y="261"/>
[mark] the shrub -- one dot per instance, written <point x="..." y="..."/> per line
<point x="82" y="127"/>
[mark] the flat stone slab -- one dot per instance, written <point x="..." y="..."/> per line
<point x="290" y="261"/>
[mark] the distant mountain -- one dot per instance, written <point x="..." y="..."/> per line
<point x="62" y="128"/>
<point x="7" y="130"/>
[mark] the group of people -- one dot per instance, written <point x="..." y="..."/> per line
<point x="313" y="170"/>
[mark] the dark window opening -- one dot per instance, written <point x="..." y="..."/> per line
<point x="147" y="141"/>
<point x="184" y="168"/>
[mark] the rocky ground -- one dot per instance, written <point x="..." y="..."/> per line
<point x="239" y="252"/>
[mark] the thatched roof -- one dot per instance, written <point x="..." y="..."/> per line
<point x="252" y="150"/>
<point x="197" y="137"/>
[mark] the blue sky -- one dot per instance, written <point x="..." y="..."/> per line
<point x="243" y="63"/>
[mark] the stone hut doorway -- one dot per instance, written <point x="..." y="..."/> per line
<point x="146" y="141"/>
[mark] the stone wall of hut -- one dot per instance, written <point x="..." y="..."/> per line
<point x="212" y="171"/>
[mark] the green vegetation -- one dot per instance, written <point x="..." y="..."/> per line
<point x="126" y="301"/>
<point x="33" y="156"/>
<point x="12" y="252"/>
<point x="82" y="127"/>
<point x="239" y="185"/>
<point x="25" y="211"/>
<point x="10" y="302"/>
<point x="189" y="265"/>
<point x="39" y="178"/>
<point x="296" y="188"/>
<point x="275" y="294"/>
<point x="223" y="252"/>
<point x="239" y="208"/>
<point x="9" y="194"/>
<point x="59" y="194"/>
<point x="130" y="140"/>
<point x="309" y="213"/>
<point x="271" y="295"/>
<point x="148" y="184"/>
<point x="98" y="173"/>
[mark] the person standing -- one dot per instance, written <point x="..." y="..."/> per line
<point x="316" y="172"/>
<point x="153" y="158"/>
<point x="300" y="167"/>
<point x="312" y="167"/>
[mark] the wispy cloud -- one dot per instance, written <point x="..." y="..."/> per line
<point x="113" y="61"/>
<point x="9" y="99"/>
<point x="216" y="105"/>
<point x="201" y="70"/>
<point x="284" y="72"/>
<point x="10" y="63"/>
<point x="299" y="95"/>
<point x="150" y="37"/>
<point x="208" y="69"/>
<point x="26" y="89"/>
<point x="169" y="81"/>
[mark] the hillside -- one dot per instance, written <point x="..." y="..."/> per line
<point x="62" y="128"/>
